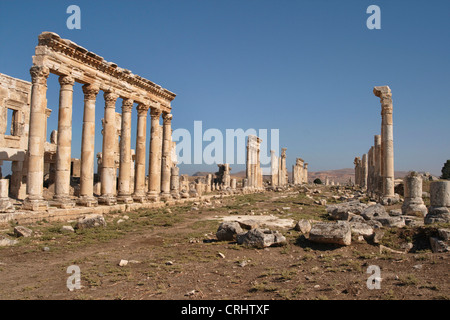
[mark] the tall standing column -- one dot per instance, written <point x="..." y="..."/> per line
<point x="274" y="168"/>
<point x="364" y="170"/>
<point x="35" y="179"/>
<point x="124" y="194"/>
<point x="141" y="137"/>
<point x="154" y="172"/>
<point x="64" y="144"/>
<point x="108" y="176"/>
<point x="87" y="148"/>
<point x="378" y="182"/>
<point x="387" y="143"/>
<point x="305" y="173"/>
<point x="166" y="160"/>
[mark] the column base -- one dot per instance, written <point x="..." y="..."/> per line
<point x="62" y="202"/>
<point x="141" y="198"/>
<point x="165" y="196"/>
<point x="87" y="201"/>
<point x="124" y="199"/>
<point x="153" y="197"/>
<point x="389" y="200"/>
<point x="35" y="204"/>
<point x="6" y="206"/>
<point x="107" y="199"/>
<point x="175" y="195"/>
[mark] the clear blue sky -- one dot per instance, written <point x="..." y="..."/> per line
<point x="305" y="67"/>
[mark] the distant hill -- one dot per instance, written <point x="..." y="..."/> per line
<point x="339" y="175"/>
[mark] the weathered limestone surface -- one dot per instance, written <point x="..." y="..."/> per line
<point x="154" y="177"/>
<point x="15" y="96"/>
<point x="124" y="194"/>
<point x="261" y="238"/>
<point x="35" y="176"/>
<point x="439" y="210"/>
<point x="139" y="194"/>
<point x="253" y="168"/>
<point x="387" y="144"/>
<point x="108" y="175"/>
<point x="336" y="233"/>
<point x="413" y="203"/>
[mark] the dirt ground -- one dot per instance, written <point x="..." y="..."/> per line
<point x="172" y="254"/>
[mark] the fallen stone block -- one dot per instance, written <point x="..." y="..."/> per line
<point x="5" y="242"/>
<point x="91" y="221"/>
<point x="261" y="238"/>
<point x="21" y="231"/>
<point x="228" y="231"/>
<point x="335" y="233"/>
<point x="376" y="211"/>
<point x="361" y="228"/>
<point x="391" y="222"/>
<point x="249" y="224"/>
<point x="438" y="245"/>
<point x="303" y="226"/>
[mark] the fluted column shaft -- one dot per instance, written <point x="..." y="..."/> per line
<point x="141" y="137"/>
<point x="64" y="142"/>
<point x="166" y="160"/>
<point x="36" y="139"/>
<point x="154" y="174"/>
<point x="87" y="147"/>
<point x="124" y="194"/>
<point x="108" y="175"/>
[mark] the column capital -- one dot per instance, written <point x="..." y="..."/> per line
<point x="110" y="99"/>
<point x="66" y="80"/>
<point x="90" y="91"/>
<point x="167" y="118"/>
<point x="155" y="113"/>
<point x="142" y="109"/>
<point x="127" y="105"/>
<point x="385" y="95"/>
<point x="39" y="74"/>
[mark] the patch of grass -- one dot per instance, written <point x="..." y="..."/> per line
<point x="409" y="280"/>
<point x="262" y="287"/>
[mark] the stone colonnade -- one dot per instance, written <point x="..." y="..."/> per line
<point x="376" y="169"/>
<point x="73" y="63"/>
<point x="299" y="172"/>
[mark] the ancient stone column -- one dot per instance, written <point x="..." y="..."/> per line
<point x="274" y="168"/>
<point x="64" y="144"/>
<point x="283" y="169"/>
<point x="364" y="170"/>
<point x="370" y="171"/>
<point x="175" y="182"/>
<point x="87" y="148"/>
<point x="208" y="182"/>
<point x="37" y="137"/>
<point x="439" y="210"/>
<point x="413" y="204"/>
<point x="387" y="144"/>
<point x="108" y="176"/>
<point x="124" y="194"/>
<point x="166" y="159"/>
<point x="154" y="172"/>
<point x="378" y="181"/>
<point x="6" y="205"/>
<point x="233" y="184"/>
<point x="141" y="136"/>
<point x="357" y="163"/>
<point x="305" y="173"/>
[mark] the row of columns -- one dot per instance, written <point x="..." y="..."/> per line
<point x="376" y="169"/>
<point x="160" y="162"/>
